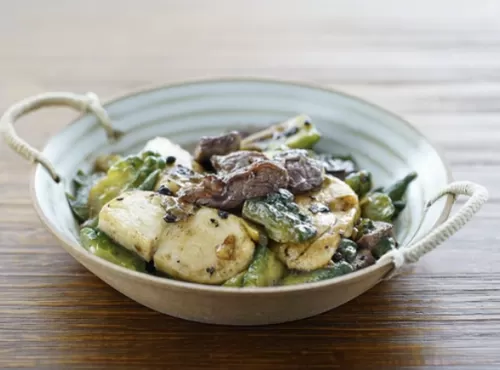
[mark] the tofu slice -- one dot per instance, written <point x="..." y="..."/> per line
<point x="332" y="226"/>
<point x="314" y="253"/>
<point x="134" y="220"/>
<point x="166" y="148"/>
<point x="205" y="248"/>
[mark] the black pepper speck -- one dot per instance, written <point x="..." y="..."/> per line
<point x="223" y="214"/>
<point x="307" y="123"/>
<point x="318" y="207"/>
<point x="337" y="257"/>
<point x="211" y="270"/>
<point x="170" y="159"/>
<point x="163" y="190"/>
<point x="183" y="171"/>
<point x="169" y="218"/>
<point x="119" y="199"/>
<point x="214" y="221"/>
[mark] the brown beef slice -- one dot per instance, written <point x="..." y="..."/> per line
<point x="216" y="145"/>
<point x="305" y="173"/>
<point x="236" y="160"/>
<point x="232" y="189"/>
<point x="370" y="240"/>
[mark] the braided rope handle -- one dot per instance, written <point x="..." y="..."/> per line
<point x="411" y="254"/>
<point x="88" y="102"/>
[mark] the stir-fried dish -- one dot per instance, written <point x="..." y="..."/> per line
<point x="255" y="210"/>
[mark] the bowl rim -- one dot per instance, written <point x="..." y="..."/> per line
<point x="77" y="249"/>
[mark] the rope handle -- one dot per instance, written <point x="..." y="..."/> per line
<point x="88" y="102"/>
<point x="412" y="253"/>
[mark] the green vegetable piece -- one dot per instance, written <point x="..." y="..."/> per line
<point x="364" y="226"/>
<point x="348" y="249"/>
<point x="99" y="244"/>
<point x="131" y="172"/>
<point x="377" y="207"/>
<point x="147" y="176"/>
<point x="296" y="133"/>
<point x="161" y="163"/>
<point x="79" y="202"/>
<point x="104" y="162"/>
<point x="150" y="181"/>
<point x="149" y="162"/>
<point x="360" y="182"/>
<point x="338" y="269"/>
<point x="283" y="220"/>
<point x="148" y="153"/>
<point x="398" y="189"/>
<point x="79" y="208"/>
<point x="118" y="177"/>
<point x="305" y="137"/>
<point x="264" y="270"/>
<point x="139" y="179"/>
<point x="342" y="268"/>
<point x="235" y="281"/>
<point x="384" y="245"/>
<point x="399" y="206"/>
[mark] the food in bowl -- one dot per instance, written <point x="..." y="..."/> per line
<point x="379" y="141"/>
<point x="244" y="210"/>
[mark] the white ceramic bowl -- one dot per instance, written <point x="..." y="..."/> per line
<point x="383" y="143"/>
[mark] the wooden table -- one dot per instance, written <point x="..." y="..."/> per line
<point x="437" y="63"/>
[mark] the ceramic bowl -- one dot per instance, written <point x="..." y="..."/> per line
<point x="380" y="141"/>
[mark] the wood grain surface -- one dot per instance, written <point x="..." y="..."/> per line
<point x="436" y="63"/>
